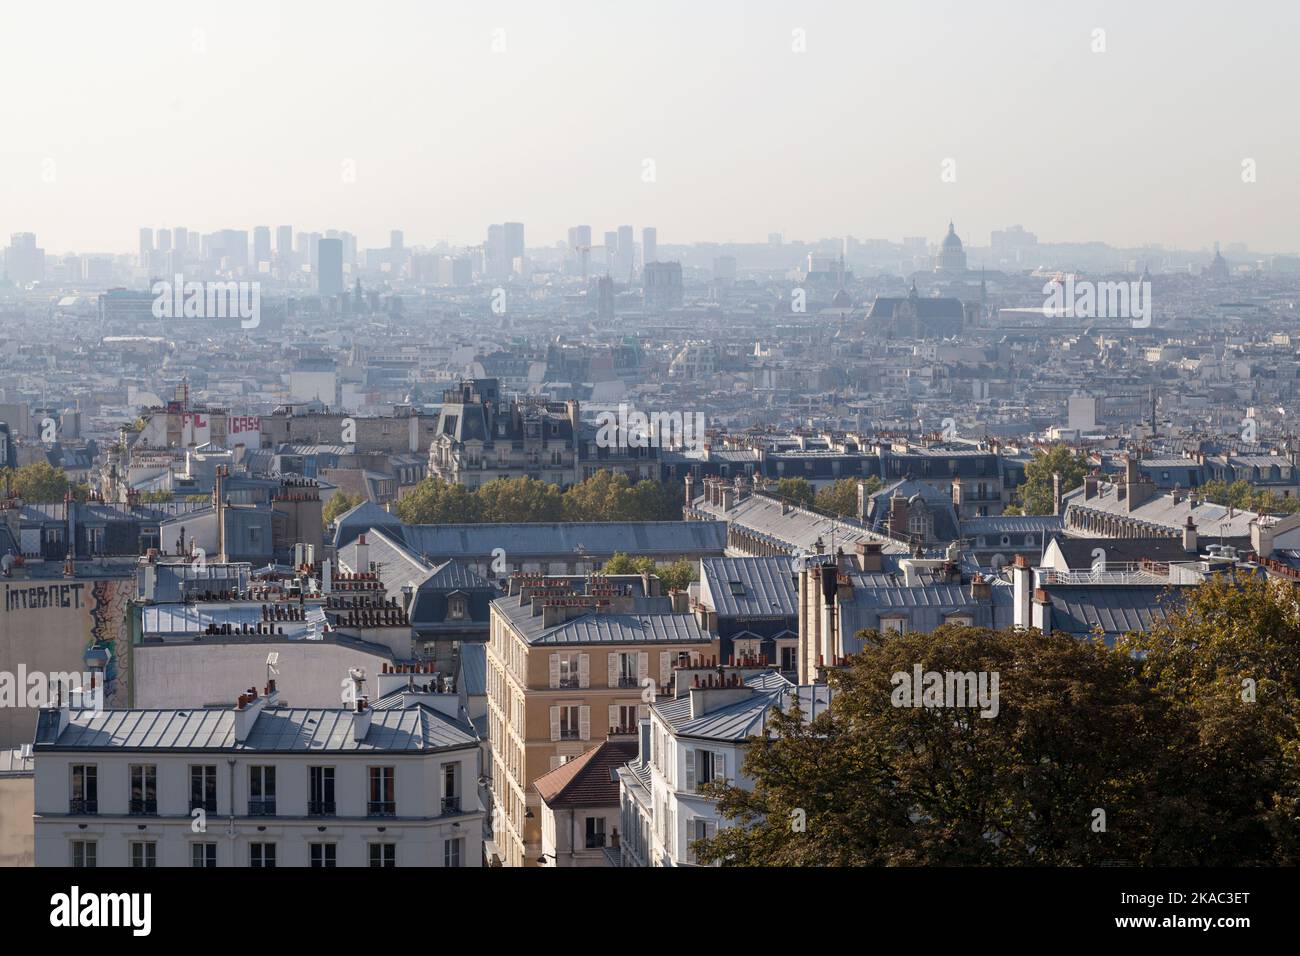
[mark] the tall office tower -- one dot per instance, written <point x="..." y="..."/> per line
<point x="396" y="240"/>
<point x="164" y="240"/>
<point x="313" y="248"/>
<point x="231" y="249"/>
<point x="605" y="298"/>
<point x="146" y="245"/>
<point x="649" y="246"/>
<point x="284" y="244"/>
<point x="180" y="248"/>
<point x="302" y="249"/>
<point x="196" y="245"/>
<point x="514" y="245"/>
<point x="23" y="261"/>
<point x="579" y="236"/>
<point x="626" y="252"/>
<point x="396" y="251"/>
<point x="577" y="256"/>
<point x="611" y="252"/>
<point x="261" y="247"/>
<point x="329" y="276"/>
<point x="498" y="262"/>
<point x="349" y="249"/>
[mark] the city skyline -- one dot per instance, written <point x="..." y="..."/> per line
<point x="683" y="120"/>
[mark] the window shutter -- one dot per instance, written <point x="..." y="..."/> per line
<point x="642" y="666"/>
<point x="613" y="716"/>
<point x="690" y="769"/>
<point x="584" y="670"/>
<point x="555" y="723"/>
<point x="613" y="670"/>
<point x="720" y="764"/>
<point x="665" y="668"/>
<point x="555" y="670"/>
<point x="584" y="722"/>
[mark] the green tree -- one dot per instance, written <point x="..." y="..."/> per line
<point x="841" y="497"/>
<point x="519" y="499"/>
<point x="39" y="483"/>
<point x="1034" y="496"/>
<point x="339" y="503"/>
<point x="797" y="491"/>
<point x="1226" y="662"/>
<point x="678" y="575"/>
<point x="434" y="501"/>
<point x="869" y="782"/>
<point x="155" y="497"/>
<point x="622" y="563"/>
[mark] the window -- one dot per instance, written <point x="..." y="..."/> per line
<point x="85" y="789"/>
<point x="84" y="853"/>
<point x="456" y="608"/>
<point x="203" y="788"/>
<point x="261" y="855"/>
<point x="320" y="797"/>
<point x="450" y="788"/>
<point x="382" y="802"/>
<point x="595" y="833"/>
<point x="892" y="625"/>
<point x="700" y="830"/>
<point x="628" y="716"/>
<point x="144" y="853"/>
<point x="569" y="675"/>
<point x="736" y="588"/>
<point x="385" y="854"/>
<point x="324" y="854"/>
<point x="203" y="855"/>
<point x="451" y="852"/>
<point x="627" y="670"/>
<point x="569" y="729"/>
<point x="789" y="658"/>
<point x="144" y="788"/>
<point x="261" y="791"/>
<point x="708" y="766"/>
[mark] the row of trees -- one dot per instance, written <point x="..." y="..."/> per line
<point x="1241" y="494"/>
<point x="603" y="497"/>
<point x="676" y="576"/>
<point x="1180" y="746"/>
<point x="838" y="498"/>
<point x="42" y="483"/>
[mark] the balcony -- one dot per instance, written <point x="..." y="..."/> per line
<point x="569" y="733"/>
<point x="624" y="681"/>
<point x="83" y="807"/>
<point x="451" y="804"/>
<point x="261" y="806"/>
<point x="320" y="808"/>
<point x="207" y="805"/>
<point x="595" y="841"/>
<point x="381" y="808"/>
<point x="143" y="808"/>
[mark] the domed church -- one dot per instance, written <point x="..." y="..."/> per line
<point x="951" y="257"/>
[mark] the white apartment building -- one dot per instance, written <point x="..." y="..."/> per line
<point x="698" y="736"/>
<point x="258" y="785"/>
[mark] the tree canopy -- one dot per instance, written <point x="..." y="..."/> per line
<point x="603" y="497"/>
<point x="1034" y="496"/>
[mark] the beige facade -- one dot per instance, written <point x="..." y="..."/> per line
<point x="550" y="702"/>
<point x="17" y="804"/>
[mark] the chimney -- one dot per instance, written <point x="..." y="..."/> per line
<point x="247" y="708"/>
<point x="898" y="515"/>
<point x="363" y="555"/>
<point x="1261" y="536"/>
<point x="981" y="589"/>
<point x="1189" y="536"/>
<point x="326" y="577"/>
<point x="219" y="494"/>
<point x="868" y="555"/>
<point x="681" y="602"/>
<point x="361" y="719"/>
<point x="1090" y="486"/>
<point x="728" y="498"/>
<point x="690" y="489"/>
<point x="1056" y="493"/>
<point x="1022" y="591"/>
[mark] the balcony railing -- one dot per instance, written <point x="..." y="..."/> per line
<point x="207" y="804"/>
<point x="261" y="806"/>
<point x="320" y="808"/>
<point x="451" y="804"/>
<point x="624" y="681"/>
<point x="381" y="808"/>
<point x="595" y="841"/>
<point x="83" y="806"/>
<point x="143" y="807"/>
<point x="568" y="733"/>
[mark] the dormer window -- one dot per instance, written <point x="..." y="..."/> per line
<point x="457" y="608"/>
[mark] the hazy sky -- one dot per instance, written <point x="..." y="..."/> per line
<point x="226" y="114"/>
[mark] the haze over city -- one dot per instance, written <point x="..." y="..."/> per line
<point x="450" y="116"/>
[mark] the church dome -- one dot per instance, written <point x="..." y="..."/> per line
<point x="951" y="241"/>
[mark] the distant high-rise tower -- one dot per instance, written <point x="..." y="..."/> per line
<point x="329" y="273"/>
<point x="497" y="262"/>
<point x="605" y="298"/>
<point x="649" y="246"/>
<point x="180" y="248"/>
<point x="626" y="252"/>
<point x="261" y="247"/>
<point x="146" y="246"/>
<point x="611" y="252"/>
<point x="164" y="240"/>
<point x="284" y="244"/>
<point x="514" y="244"/>
<point x="23" y="261"/>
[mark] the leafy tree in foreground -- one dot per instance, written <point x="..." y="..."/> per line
<point x="1034" y="496"/>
